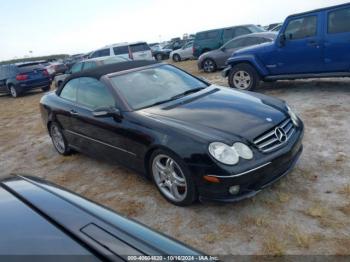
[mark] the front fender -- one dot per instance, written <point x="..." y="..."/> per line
<point x="250" y="59"/>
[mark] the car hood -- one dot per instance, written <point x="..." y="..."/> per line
<point x="253" y="48"/>
<point x="219" y="111"/>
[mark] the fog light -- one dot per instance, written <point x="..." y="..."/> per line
<point x="234" y="190"/>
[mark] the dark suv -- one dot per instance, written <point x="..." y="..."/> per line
<point x="212" y="39"/>
<point x="19" y="78"/>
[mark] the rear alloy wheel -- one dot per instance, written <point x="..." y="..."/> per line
<point x="159" y="57"/>
<point x="13" y="91"/>
<point x="243" y="77"/>
<point x="172" y="178"/>
<point x="58" y="139"/>
<point x="176" y="58"/>
<point x="209" y="65"/>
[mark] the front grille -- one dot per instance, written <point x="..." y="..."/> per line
<point x="269" y="141"/>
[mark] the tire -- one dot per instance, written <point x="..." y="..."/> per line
<point x="58" y="139"/>
<point x="159" y="57"/>
<point x="46" y="88"/>
<point x="14" y="91"/>
<point x="59" y="83"/>
<point x="209" y="65"/>
<point x="176" y="58"/>
<point x="244" y="77"/>
<point x="169" y="171"/>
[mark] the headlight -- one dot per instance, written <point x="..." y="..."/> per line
<point x="293" y="116"/>
<point x="229" y="155"/>
<point x="243" y="150"/>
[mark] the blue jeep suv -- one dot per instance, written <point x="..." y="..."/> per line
<point x="19" y="78"/>
<point x="309" y="45"/>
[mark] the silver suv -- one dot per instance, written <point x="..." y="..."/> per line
<point x="134" y="51"/>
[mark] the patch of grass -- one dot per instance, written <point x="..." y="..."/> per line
<point x="283" y="197"/>
<point x="345" y="209"/>
<point x="273" y="246"/>
<point x="345" y="190"/>
<point x="303" y="240"/>
<point x="41" y="158"/>
<point x="316" y="211"/>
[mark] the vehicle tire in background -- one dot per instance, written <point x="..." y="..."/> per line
<point x="58" y="139"/>
<point x="59" y="83"/>
<point x="46" y="88"/>
<point x="172" y="178"/>
<point x="176" y="58"/>
<point x="14" y="91"/>
<point x="159" y="57"/>
<point x="209" y="65"/>
<point x="244" y="77"/>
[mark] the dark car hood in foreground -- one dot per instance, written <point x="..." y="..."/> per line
<point x="230" y="112"/>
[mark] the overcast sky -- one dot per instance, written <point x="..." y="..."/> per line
<point x="73" y="26"/>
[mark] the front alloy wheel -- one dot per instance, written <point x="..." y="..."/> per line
<point x="244" y="77"/>
<point x="172" y="180"/>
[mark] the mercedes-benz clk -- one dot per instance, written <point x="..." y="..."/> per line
<point x="195" y="140"/>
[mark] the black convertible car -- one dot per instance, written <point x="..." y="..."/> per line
<point x="44" y="222"/>
<point x="192" y="138"/>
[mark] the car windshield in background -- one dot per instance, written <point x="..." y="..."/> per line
<point x="256" y="29"/>
<point x="115" y="59"/>
<point x="155" y="85"/>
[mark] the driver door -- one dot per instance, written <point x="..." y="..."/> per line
<point x="302" y="51"/>
<point x="98" y="136"/>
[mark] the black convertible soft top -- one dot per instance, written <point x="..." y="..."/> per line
<point x="100" y="71"/>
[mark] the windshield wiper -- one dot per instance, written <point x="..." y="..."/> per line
<point x="193" y="90"/>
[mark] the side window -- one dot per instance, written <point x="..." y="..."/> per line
<point x="249" y="41"/>
<point x="228" y="33"/>
<point x="240" y="31"/>
<point x="301" y="27"/>
<point x="139" y="47"/>
<point x="76" y="68"/>
<point x="235" y="43"/>
<point x="69" y="90"/>
<point x="339" y="21"/>
<point x="89" y="65"/>
<point x="104" y="52"/>
<point x="121" y="50"/>
<point x="213" y="34"/>
<point x="94" y="94"/>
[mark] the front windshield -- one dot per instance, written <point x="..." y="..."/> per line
<point x="154" y="85"/>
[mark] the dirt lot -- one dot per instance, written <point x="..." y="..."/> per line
<point x="307" y="212"/>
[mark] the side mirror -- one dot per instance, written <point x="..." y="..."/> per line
<point x="107" y="112"/>
<point x="282" y="40"/>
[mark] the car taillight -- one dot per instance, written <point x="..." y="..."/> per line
<point x="45" y="73"/>
<point x="21" y="77"/>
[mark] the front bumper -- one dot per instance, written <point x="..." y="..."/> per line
<point x="226" y="71"/>
<point x="255" y="179"/>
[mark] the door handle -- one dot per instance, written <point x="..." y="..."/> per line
<point x="73" y="112"/>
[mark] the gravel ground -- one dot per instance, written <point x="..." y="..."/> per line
<point x="306" y="212"/>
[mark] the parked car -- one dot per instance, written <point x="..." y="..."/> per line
<point x="310" y="45"/>
<point x="206" y="41"/>
<point x="160" y="53"/>
<point x="185" y="52"/>
<point x="133" y="51"/>
<point x="86" y="65"/>
<point x="277" y="28"/>
<point x="271" y="26"/>
<point x="216" y="59"/>
<point x="192" y="138"/>
<point x="16" y="79"/>
<point x="42" y="219"/>
<point x="55" y="68"/>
